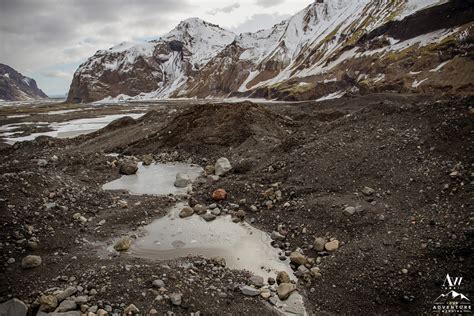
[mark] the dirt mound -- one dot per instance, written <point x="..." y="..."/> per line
<point x="211" y="129"/>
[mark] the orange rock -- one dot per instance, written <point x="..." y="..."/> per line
<point x="219" y="195"/>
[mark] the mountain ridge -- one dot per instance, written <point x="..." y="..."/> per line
<point x="299" y="58"/>
<point x="16" y="87"/>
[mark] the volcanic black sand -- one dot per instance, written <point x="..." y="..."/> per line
<point x="397" y="242"/>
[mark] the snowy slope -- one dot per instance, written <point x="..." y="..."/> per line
<point x="322" y="44"/>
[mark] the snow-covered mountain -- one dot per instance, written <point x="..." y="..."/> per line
<point x="331" y="47"/>
<point x="16" y="87"/>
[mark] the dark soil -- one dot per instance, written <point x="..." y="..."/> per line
<point x="415" y="151"/>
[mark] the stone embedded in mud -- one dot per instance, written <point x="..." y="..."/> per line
<point x="182" y="180"/>
<point x="219" y="261"/>
<point x="176" y="298"/>
<point x="199" y="209"/>
<point x="66" y="293"/>
<point x="66" y="306"/>
<point x="219" y="195"/>
<point x="249" y="291"/>
<point x="128" y="167"/>
<point x="186" y="212"/>
<point x="284" y="290"/>
<point x="123" y="244"/>
<point x="147" y="160"/>
<point x="277" y="236"/>
<point x="283" y="277"/>
<point x="350" y="210"/>
<point x="332" y="245"/>
<point x="131" y="309"/>
<point x="368" y="191"/>
<point x="298" y="258"/>
<point x="48" y="303"/>
<point x="158" y="284"/>
<point x="256" y="280"/>
<point x="222" y="166"/>
<point x="31" y="262"/>
<point x="319" y="243"/>
<point x="13" y="307"/>
<point x="42" y="163"/>
<point x="208" y="217"/>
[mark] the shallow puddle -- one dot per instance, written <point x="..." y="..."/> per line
<point x="241" y="245"/>
<point x="156" y="179"/>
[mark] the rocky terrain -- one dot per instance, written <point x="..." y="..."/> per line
<point x="16" y="87"/>
<point x="367" y="198"/>
<point x="329" y="49"/>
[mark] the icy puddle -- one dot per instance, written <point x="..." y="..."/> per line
<point x="242" y="246"/>
<point x="72" y="128"/>
<point x="156" y="179"/>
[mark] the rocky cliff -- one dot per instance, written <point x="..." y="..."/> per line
<point x="16" y="87"/>
<point x="330" y="48"/>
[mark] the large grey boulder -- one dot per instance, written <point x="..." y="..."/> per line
<point x="13" y="307"/>
<point x="222" y="166"/>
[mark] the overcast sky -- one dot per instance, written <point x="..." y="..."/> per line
<point x="48" y="39"/>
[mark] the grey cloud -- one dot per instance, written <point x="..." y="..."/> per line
<point x="54" y="30"/>
<point x="269" y="3"/>
<point x="57" y="74"/>
<point x="226" y="9"/>
<point x="259" y="21"/>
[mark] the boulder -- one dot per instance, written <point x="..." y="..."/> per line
<point x="66" y="306"/>
<point x="257" y="281"/>
<point x="48" y="303"/>
<point x="123" y="244"/>
<point x="128" y="167"/>
<point x="283" y="277"/>
<point x="332" y="245"/>
<point x="13" y="307"/>
<point x="182" y="180"/>
<point x="31" y="262"/>
<point x="319" y="243"/>
<point x="284" y="290"/>
<point x="186" y="212"/>
<point x="249" y="291"/>
<point x="222" y="166"/>
<point x="219" y="195"/>
<point x="298" y="258"/>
